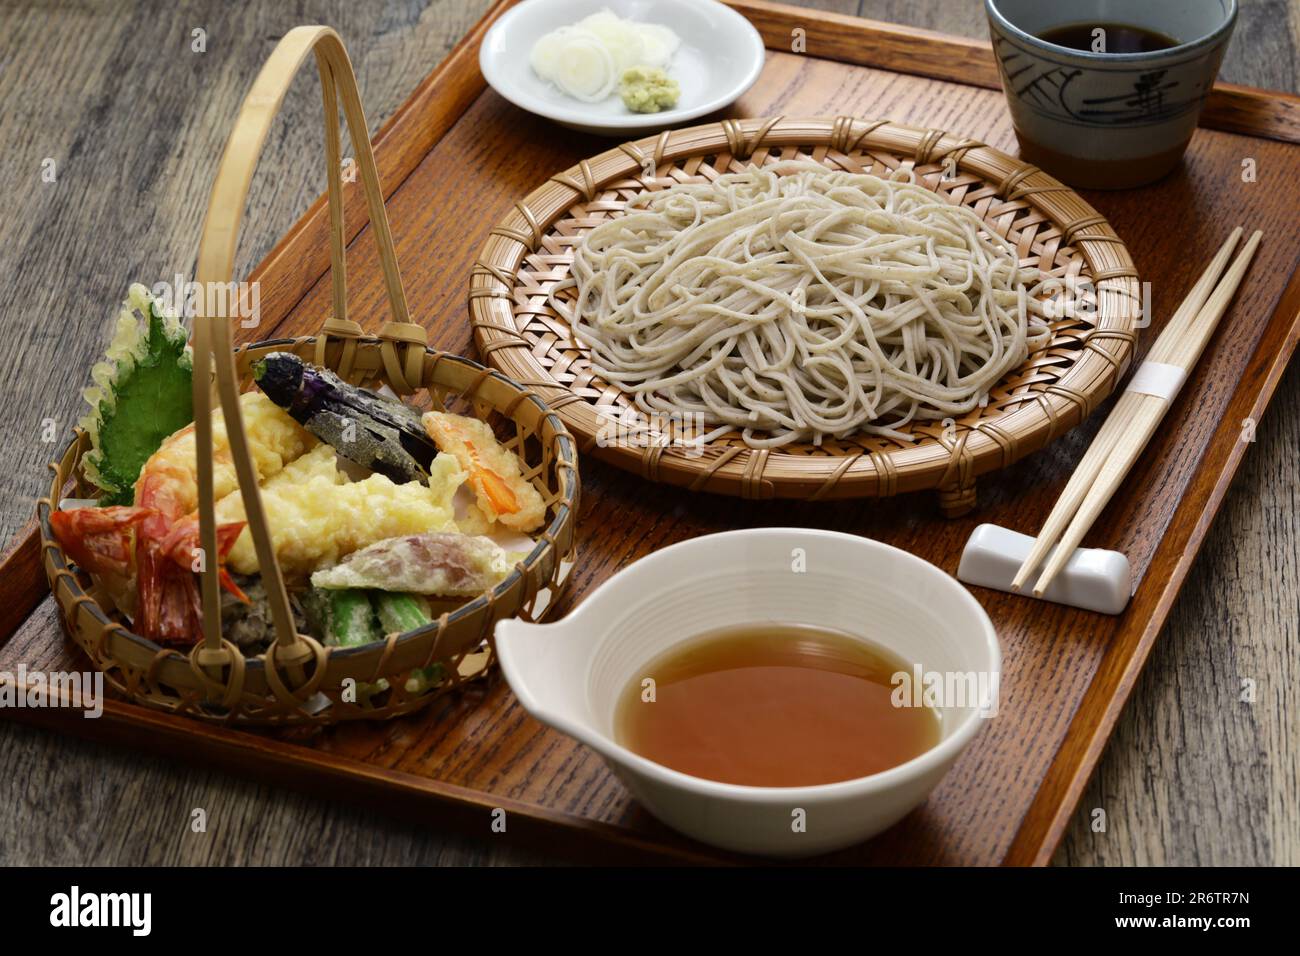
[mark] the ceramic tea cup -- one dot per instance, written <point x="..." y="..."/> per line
<point x="1107" y="120"/>
<point x="571" y="674"/>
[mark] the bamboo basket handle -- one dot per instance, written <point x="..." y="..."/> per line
<point x="213" y="339"/>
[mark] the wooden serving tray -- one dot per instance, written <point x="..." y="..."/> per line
<point x="456" y="157"/>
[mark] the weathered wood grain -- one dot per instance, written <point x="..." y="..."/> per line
<point x="1226" y="774"/>
<point x="22" y="577"/>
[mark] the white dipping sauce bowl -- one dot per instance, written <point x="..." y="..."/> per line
<point x="720" y="57"/>
<point x="570" y="674"/>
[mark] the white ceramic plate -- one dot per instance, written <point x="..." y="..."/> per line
<point x="720" y="58"/>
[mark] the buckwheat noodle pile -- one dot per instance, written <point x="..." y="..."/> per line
<point x="793" y="302"/>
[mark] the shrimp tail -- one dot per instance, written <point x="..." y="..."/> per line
<point x="98" y="539"/>
<point x="182" y="546"/>
<point x="170" y="604"/>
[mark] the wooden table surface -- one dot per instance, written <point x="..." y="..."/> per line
<point x="115" y="98"/>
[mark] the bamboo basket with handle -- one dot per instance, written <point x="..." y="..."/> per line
<point x="298" y="680"/>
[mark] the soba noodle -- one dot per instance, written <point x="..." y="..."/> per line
<point x="793" y="302"/>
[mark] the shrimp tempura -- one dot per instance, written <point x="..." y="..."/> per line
<point x="500" y="490"/>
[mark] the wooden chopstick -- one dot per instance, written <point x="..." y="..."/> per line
<point x="1147" y="412"/>
<point x="1135" y="416"/>
<point x="1086" y="473"/>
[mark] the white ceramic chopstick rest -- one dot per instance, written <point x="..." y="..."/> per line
<point x="1093" y="579"/>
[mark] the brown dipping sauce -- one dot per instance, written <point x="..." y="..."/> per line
<point x="774" y="705"/>
<point x="1102" y="173"/>
<point x="1117" y="37"/>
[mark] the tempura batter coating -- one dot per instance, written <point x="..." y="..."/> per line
<point x="500" y="490"/>
<point x="168" y="481"/>
<point x="317" y="516"/>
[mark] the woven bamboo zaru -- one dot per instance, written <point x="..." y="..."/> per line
<point x="298" y="680"/>
<point x="1051" y="226"/>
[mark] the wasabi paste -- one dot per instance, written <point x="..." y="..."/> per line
<point x="647" y="89"/>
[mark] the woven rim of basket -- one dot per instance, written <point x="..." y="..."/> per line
<point x="64" y="469"/>
<point x="530" y="251"/>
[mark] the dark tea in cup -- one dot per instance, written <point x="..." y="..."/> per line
<point x="1102" y="103"/>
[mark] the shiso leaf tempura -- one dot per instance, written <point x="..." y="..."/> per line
<point x="141" y="393"/>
